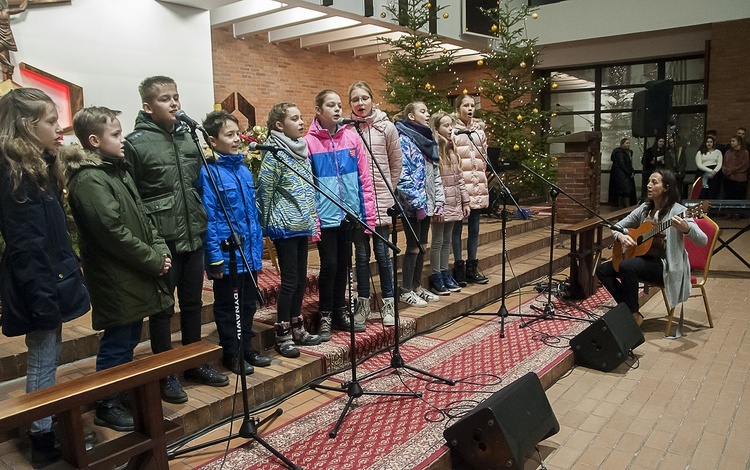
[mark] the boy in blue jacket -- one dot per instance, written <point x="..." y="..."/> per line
<point x="236" y="191"/>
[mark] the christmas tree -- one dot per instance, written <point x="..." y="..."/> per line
<point x="515" y="120"/>
<point x="418" y="58"/>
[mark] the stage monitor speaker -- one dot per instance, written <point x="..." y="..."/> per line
<point x="505" y="428"/>
<point x="652" y="108"/>
<point x="606" y="343"/>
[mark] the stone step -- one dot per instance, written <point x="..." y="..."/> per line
<point x="528" y="255"/>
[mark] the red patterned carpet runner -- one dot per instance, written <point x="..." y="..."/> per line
<point x="405" y="433"/>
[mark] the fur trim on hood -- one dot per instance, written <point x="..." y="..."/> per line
<point x="73" y="158"/>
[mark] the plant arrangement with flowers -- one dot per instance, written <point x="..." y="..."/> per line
<point x="257" y="134"/>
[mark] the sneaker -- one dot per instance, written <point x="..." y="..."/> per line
<point x="234" y="365"/>
<point x="449" y="282"/>
<point x="437" y="285"/>
<point x="324" y="330"/>
<point x="300" y="336"/>
<point x="388" y="316"/>
<point x="111" y="414"/>
<point x="207" y="375"/>
<point x="171" y="390"/>
<point x="426" y="295"/>
<point x="255" y="358"/>
<point x="412" y="299"/>
<point x="361" y="313"/>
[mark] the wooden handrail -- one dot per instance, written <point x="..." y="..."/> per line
<point x="145" y="447"/>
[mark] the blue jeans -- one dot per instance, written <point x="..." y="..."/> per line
<point x="117" y="344"/>
<point x="382" y="256"/>
<point x="473" y="242"/>
<point x="44" y="348"/>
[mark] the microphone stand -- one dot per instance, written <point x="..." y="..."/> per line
<point x="233" y="245"/>
<point x="352" y="387"/>
<point x="505" y="193"/>
<point x="548" y="311"/>
<point x="397" y="361"/>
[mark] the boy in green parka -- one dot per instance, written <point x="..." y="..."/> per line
<point x="124" y="258"/>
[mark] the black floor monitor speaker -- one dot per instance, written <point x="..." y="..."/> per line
<point x="605" y="344"/>
<point x="505" y="428"/>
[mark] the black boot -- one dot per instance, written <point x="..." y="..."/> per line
<point x="112" y="414"/>
<point x="473" y="274"/>
<point x="340" y="319"/>
<point x="284" y="341"/>
<point x="43" y="450"/>
<point x="459" y="273"/>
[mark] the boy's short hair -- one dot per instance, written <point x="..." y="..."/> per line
<point x="92" y="120"/>
<point x="148" y="87"/>
<point x="214" y="121"/>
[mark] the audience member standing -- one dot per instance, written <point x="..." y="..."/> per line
<point x="653" y="158"/>
<point x="734" y="168"/>
<point x="675" y="160"/>
<point x="708" y="160"/>
<point x="621" y="182"/>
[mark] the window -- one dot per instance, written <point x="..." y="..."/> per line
<point x="601" y="98"/>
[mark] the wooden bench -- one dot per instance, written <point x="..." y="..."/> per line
<point x="586" y="244"/>
<point x="145" y="447"/>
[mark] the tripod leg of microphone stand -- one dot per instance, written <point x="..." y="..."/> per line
<point x="275" y="452"/>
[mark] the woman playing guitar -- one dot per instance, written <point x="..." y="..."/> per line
<point x="666" y="262"/>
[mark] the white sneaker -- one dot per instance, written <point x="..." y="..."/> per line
<point x="387" y="311"/>
<point x="412" y="299"/>
<point x="426" y="295"/>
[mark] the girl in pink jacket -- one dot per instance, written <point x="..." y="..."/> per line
<point x="455" y="209"/>
<point x="382" y="137"/>
<point x="474" y="170"/>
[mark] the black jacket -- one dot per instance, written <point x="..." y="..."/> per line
<point x="38" y="254"/>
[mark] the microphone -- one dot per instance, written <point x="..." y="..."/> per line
<point x="355" y="122"/>
<point x="615" y="228"/>
<point x="191" y="123"/>
<point x="257" y="146"/>
<point x="459" y="132"/>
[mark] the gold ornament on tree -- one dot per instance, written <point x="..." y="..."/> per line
<point x="554" y="86"/>
<point x="446" y="16"/>
<point x="480" y="62"/>
<point x="522" y="64"/>
<point x="516" y="147"/>
<point x="534" y="16"/>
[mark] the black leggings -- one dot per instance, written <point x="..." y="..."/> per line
<point x="335" y="250"/>
<point x="623" y="285"/>
<point x="292" y="256"/>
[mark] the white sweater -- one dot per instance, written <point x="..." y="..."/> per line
<point x="702" y="160"/>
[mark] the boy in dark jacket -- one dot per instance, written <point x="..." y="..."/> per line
<point x="236" y="191"/>
<point x="124" y="259"/>
<point x="165" y="164"/>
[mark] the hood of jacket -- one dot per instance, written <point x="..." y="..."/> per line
<point x="74" y="158"/>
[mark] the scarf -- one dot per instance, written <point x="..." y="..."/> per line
<point x="422" y="138"/>
<point x="296" y="149"/>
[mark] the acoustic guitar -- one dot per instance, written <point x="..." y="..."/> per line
<point x="644" y="234"/>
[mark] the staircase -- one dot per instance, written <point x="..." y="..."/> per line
<point x="528" y="248"/>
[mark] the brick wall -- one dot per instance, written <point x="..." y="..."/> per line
<point x="729" y="78"/>
<point x="266" y="74"/>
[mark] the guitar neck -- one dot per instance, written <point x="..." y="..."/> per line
<point x="660" y="227"/>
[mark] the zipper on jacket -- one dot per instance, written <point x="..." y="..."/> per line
<point x="184" y="193"/>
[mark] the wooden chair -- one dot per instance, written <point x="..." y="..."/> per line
<point x="271" y="250"/>
<point x="700" y="260"/>
<point x="695" y="190"/>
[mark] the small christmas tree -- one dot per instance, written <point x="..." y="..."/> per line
<point x="515" y="121"/>
<point x="418" y="59"/>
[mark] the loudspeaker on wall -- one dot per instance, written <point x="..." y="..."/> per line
<point x="505" y="428"/>
<point x="605" y="344"/>
<point x="651" y="109"/>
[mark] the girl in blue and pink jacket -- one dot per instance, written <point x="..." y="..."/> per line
<point x="340" y="168"/>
